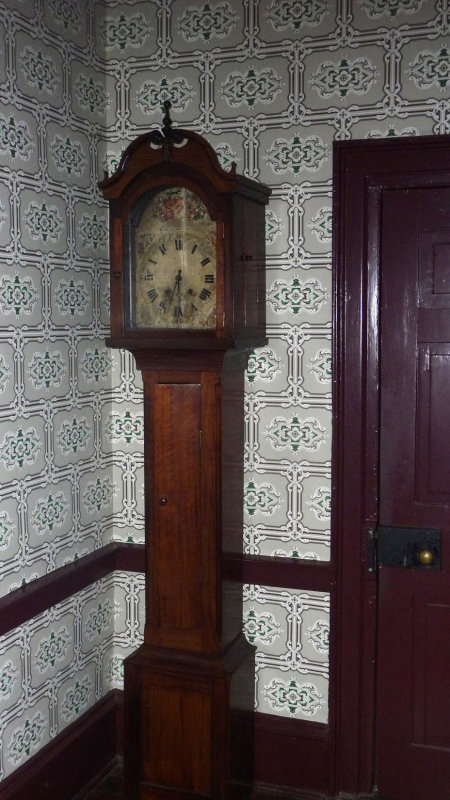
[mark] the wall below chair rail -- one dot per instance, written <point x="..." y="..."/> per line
<point x="80" y="755"/>
<point x="291" y="756"/>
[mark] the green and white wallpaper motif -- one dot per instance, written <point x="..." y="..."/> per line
<point x="270" y="83"/>
<point x="57" y="665"/>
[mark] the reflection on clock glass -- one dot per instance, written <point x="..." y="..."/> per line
<point x="175" y="263"/>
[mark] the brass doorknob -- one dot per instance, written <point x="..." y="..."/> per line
<point x="426" y="557"/>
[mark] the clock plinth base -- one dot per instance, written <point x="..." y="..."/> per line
<point x="189" y="724"/>
<point x="148" y="792"/>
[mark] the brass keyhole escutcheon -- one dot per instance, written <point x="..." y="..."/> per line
<point x="425" y="557"/>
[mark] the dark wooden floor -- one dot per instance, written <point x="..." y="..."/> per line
<point x="112" y="788"/>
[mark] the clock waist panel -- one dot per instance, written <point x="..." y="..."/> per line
<point x="196" y="640"/>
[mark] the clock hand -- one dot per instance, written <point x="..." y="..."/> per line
<point x="176" y="288"/>
<point x="177" y="292"/>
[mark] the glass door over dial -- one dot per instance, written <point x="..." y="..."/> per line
<point x="173" y="250"/>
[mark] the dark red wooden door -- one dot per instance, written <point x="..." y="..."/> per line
<point x="413" y="653"/>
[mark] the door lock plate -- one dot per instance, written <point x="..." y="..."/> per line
<point x="411" y="548"/>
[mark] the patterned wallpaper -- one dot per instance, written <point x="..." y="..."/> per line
<point x="270" y="83"/>
<point x="57" y="665"/>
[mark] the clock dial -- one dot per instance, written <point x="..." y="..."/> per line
<point x="175" y="263"/>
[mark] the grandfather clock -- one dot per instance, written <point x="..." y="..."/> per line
<point x="188" y="300"/>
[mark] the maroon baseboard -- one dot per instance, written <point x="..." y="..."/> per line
<point x="291" y="757"/>
<point x="78" y="756"/>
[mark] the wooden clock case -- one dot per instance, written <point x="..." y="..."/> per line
<point x="189" y="689"/>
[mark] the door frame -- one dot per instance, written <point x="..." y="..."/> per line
<point x="362" y="169"/>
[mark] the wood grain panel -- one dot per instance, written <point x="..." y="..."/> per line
<point x="178" y="580"/>
<point x="178" y="721"/>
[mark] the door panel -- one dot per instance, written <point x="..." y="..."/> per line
<point x="433" y="391"/>
<point x="431" y="675"/>
<point x="414" y="693"/>
<point x="413" y="683"/>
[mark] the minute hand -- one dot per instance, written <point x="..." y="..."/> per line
<point x="177" y="291"/>
<point x="177" y="287"/>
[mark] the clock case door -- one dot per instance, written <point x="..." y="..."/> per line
<point x="238" y="206"/>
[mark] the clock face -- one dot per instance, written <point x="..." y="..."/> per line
<point x="174" y="253"/>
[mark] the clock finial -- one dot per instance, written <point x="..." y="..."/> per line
<point x="167" y="122"/>
<point x="168" y="136"/>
